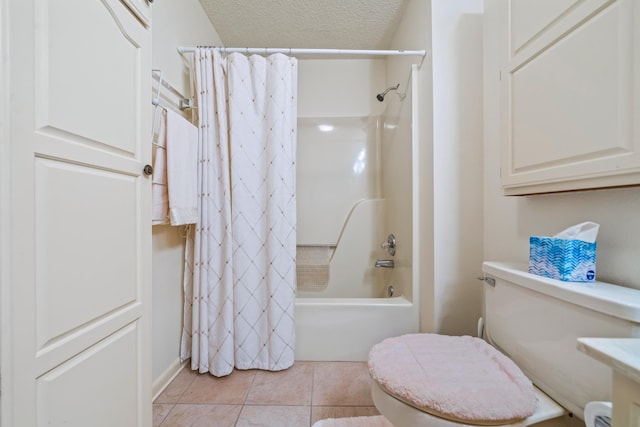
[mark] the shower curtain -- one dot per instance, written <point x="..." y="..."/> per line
<point x="240" y="266"/>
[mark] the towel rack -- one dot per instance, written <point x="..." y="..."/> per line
<point x="185" y="103"/>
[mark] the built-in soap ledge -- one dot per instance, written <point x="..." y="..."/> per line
<point x="312" y="266"/>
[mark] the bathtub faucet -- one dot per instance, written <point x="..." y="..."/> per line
<point x="386" y="263"/>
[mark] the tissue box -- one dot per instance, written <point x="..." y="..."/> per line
<point x="562" y="259"/>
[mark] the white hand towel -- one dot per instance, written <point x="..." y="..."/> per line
<point x="182" y="173"/>
<point x="159" y="193"/>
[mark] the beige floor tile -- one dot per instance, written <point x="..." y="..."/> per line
<point x="341" y="384"/>
<point x="180" y="383"/>
<point x="288" y="387"/>
<point x="231" y="389"/>
<point x="274" y="416"/>
<point x="160" y="412"/>
<point x="202" y="416"/>
<point x="283" y="399"/>
<point x="324" y="412"/>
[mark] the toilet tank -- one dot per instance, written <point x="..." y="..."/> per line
<point x="536" y="321"/>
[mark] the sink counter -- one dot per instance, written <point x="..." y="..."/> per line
<point x="623" y="356"/>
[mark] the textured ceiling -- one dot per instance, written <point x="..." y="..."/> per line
<point x="339" y="24"/>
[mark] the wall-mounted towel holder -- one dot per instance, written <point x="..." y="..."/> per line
<point x="184" y="102"/>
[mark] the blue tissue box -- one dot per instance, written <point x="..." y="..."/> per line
<point x="562" y="259"/>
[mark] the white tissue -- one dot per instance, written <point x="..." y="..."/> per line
<point x="586" y="231"/>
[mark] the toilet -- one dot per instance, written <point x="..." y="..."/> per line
<point x="526" y="370"/>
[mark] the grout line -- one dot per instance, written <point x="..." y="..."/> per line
<point x="313" y="379"/>
<point x="173" y="405"/>
<point x="244" y="401"/>
<point x="255" y="374"/>
<point x="189" y="385"/>
<point x="203" y="404"/>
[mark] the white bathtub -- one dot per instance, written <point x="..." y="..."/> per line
<point x="344" y="329"/>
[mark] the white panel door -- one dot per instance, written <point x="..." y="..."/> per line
<point x="142" y="8"/>
<point x="80" y="239"/>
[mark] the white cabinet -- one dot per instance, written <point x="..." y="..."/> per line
<point x="570" y="95"/>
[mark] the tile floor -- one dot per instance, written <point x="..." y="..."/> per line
<point x="297" y="397"/>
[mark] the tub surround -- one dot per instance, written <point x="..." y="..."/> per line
<point x="351" y="272"/>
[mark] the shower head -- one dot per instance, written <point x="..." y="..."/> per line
<point x="380" y="96"/>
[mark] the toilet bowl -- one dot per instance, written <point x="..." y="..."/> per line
<point x="402" y="414"/>
<point x="439" y="380"/>
<point x="531" y="321"/>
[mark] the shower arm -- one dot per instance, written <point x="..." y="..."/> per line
<point x="380" y="96"/>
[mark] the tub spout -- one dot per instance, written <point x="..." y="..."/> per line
<point x="386" y="263"/>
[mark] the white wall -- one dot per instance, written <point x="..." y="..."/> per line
<point x="450" y="159"/>
<point x="509" y="221"/>
<point x="174" y="23"/>
<point x="414" y="32"/>
<point x="179" y="23"/>
<point x="5" y="229"/>
<point x="457" y="166"/>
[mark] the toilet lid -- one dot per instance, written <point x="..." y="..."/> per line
<point x="462" y="379"/>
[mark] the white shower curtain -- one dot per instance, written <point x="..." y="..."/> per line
<point x="240" y="258"/>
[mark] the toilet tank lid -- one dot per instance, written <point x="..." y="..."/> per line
<point x="614" y="300"/>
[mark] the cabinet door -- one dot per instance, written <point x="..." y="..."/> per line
<point x="569" y="95"/>
<point x="80" y="240"/>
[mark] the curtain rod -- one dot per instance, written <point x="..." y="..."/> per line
<point x="294" y="51"/>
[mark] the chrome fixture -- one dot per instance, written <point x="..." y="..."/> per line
<point x="390" y="244"/>
<point x="384" y="263"/>
<point x="390" y="291"/>
<point x="380" y="96"/>
<point x="488" y="280"/>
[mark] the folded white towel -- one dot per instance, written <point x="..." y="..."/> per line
<point x="182" y="171"/>
<point x="159" y="193"/>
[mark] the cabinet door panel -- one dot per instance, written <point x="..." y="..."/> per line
<point x="76" y="75"/>
<point x="142" y="9"/>
<point x="64" y="403"/>
<point x="568" y="105"/>
<point x="80" y="282"/>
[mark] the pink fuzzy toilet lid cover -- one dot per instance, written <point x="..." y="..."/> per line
<point x="462" y="379"/>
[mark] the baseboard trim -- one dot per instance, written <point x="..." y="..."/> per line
<point x="160" y="383"/>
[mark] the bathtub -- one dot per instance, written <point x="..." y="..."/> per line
<point x="343" y="321"/>
<point x="344" y="329"/>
